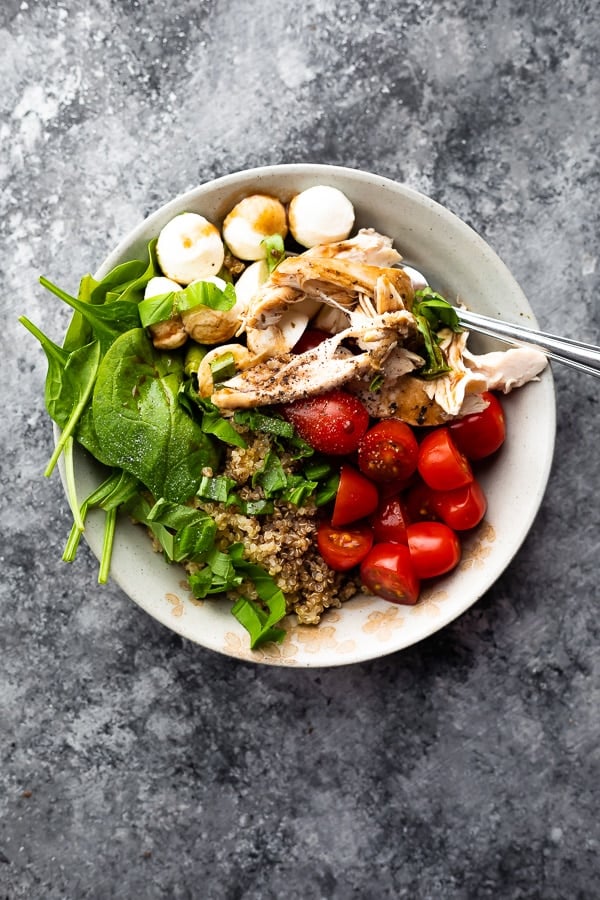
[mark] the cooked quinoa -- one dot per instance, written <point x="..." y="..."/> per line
<point x="283" y="542"/>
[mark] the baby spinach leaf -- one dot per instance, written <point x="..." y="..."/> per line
<point x="69" y="382"/>
<point x="141" y="426"/>
<point x="107" y="322"/>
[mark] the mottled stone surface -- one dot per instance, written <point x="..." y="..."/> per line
<point x="136" y="765"/>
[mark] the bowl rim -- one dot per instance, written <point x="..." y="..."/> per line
<point x="153" y="222"/>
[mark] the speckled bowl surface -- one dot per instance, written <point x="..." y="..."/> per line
<point x="459" y="264"/>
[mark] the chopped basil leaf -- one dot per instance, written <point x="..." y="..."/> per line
<point x="299" y="490"/>
<point x="213" y="422"/>
<point x="275" y="251"/>
<point x="432" y="312"/>
<point x="223" y="367"/>
<point x="216" y="488"/>
<point x="259" y="624"/>
<point x="255" y="507"/>
<point x="257" y="421"/>
<point x="327" y="490"/>
<point x="270" y="476"/>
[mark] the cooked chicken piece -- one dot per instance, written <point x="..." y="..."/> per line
<point x="368" y="246"/>
<point x="403" y="398"/>
<point x="399" y="394"/>
<point x="210" y="326"/>
<point x="387" y="296"/>
<point x="327" y="366"/>
<point x="449" y="390"/>
<point x="505" y="370"/>
<point x="277" y="340"/>
<point x="168" y="335"/>
<point x="472" y="374"/>
<point x="213" y="326"/>
<point x="335" y="281"/>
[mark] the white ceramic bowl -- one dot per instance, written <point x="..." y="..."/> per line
<point x="459" y="264"/>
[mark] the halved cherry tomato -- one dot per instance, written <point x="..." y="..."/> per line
<point x="434" y="548"/>
<point x="356" y="497"/>
<point x="388" y="451"/>
<point x="343" y="548"/>
<point x="311" y="338"/>
<point x="390" y="520"/>
<point x="331" y="423"/>
<point x="387" y="570"/>
<point x="441" y="464"/>
<point x="462" y="508"/>
<point x="419" y="503"/>
<point x="480" y="434"/>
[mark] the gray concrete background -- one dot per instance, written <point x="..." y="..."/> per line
<point x="136" y="765"/>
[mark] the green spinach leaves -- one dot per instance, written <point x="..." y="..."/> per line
<point x="140" y="425"/>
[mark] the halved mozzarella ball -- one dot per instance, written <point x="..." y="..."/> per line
<point x="189" y="248"/>
<point x="320" y="215"/>
<point x="251" y="221"/>
<point x="249" y="282"/>
<point x="160" y="285"/>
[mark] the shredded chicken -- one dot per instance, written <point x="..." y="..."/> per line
<point x="368" y="246"/>
<point x="352" y="290"/>
<point x="332" y="281"/>
<point x="505" y="370"/>
<point x="291" y="377"/>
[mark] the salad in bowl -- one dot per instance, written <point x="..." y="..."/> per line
<point x="270" y="427"/>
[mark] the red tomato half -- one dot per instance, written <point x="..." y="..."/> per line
<point x="434" y="548"/>
<point x="311" y="338"/>
<point x="390" y="521"/>
<point x="388" y="451"/>
<point x="441" y="464"/>
<point x="332" y="423"/>
<point x="356" y="497"/>
<point x="480" y="434"/>
<point x="387" y="571"/>
<point x="462" y="508"/>
<point x="420" y="503"/>
<point x="343" y="548"/>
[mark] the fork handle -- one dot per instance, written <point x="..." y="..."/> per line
<point x="584" y="357"/>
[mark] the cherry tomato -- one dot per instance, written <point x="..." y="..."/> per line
<point x="420" y="503"/>
<point x="462" y="508"/>
<point x="332" y="423"/>
<point x="387" y="570"/>
<point x="441" y="464"/>
<point x="480" y="434"/>
<point x="356" y="497"/>
<point x="390" y="521"/>
<point x="388" y="451"/>
<point x="311" y="338"/>
<point x="434" y="548"/>
<point x="343" y="548"/>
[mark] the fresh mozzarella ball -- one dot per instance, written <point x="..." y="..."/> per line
<point x="320" y="215"/>
<point x="160" y="285"/>
<point x="249" y="282"/>
<point x="189" y="248"/>
<point x="251" y="221"/>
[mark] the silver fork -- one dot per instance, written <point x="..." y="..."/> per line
<point x="576" y="354"/>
